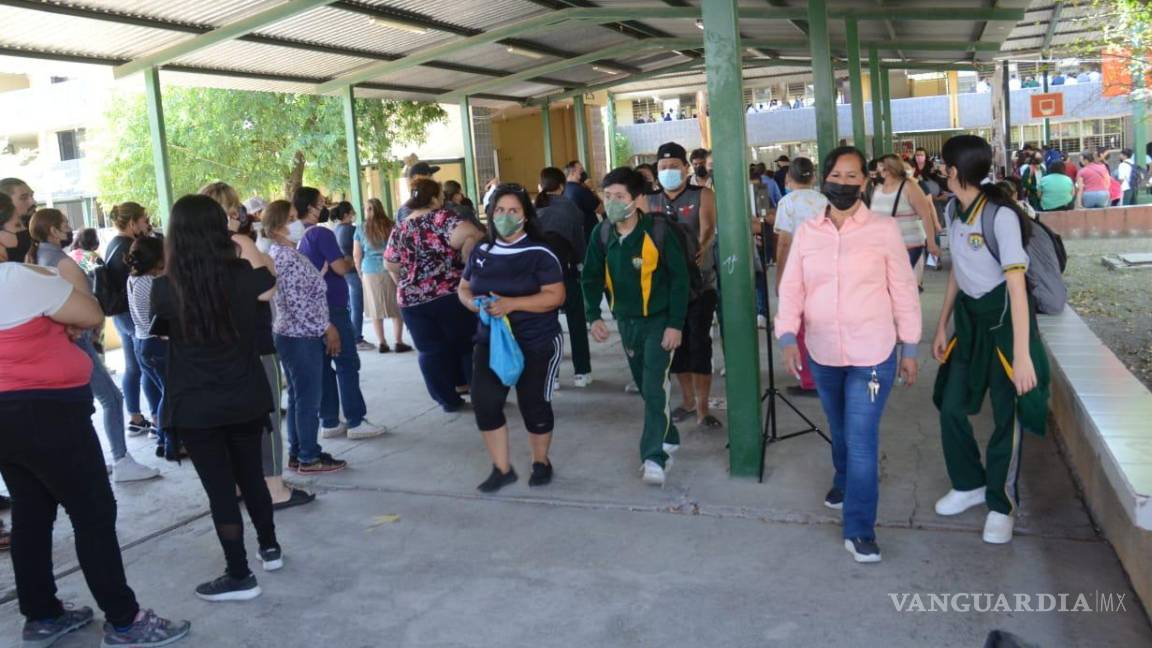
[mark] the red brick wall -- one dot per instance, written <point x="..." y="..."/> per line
<point x="1105" y="222"/>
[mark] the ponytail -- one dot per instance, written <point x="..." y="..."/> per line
<point x="551" y="179"/>
<point x="40" y="228"/>
<point x="1000" y="196"/>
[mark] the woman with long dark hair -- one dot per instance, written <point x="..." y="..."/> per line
<point x="379" y="287"/>
<point x="996" y="346"/>
<point x="514" y="275"/>
<point x="218" y="398"/>
<point x="145" y="260"/>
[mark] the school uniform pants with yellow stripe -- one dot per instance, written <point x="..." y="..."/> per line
<point x="649" y="363"/>
<point x="1001" y="469"/>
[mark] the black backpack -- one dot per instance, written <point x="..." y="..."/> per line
<point x="108" y="286"/>
<point x="660" y="228"/>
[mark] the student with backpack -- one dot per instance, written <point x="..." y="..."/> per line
<point x="640" y="260"/>
<point x="995" y="347"/>
<point x="691" y="208"/>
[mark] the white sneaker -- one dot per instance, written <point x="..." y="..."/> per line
<point x="631" y="388"/>
<point x="670" y="450"/>
<point x="956" y="502"/>
<point x="653" y="473"/>
<point x="366" y="430"/>
<point x="582" y="380"/>
<point x="761" y="322"/>
<point x="127" y="470"/>
<point x="998" y="528"/>
<point x="333" y="432"/>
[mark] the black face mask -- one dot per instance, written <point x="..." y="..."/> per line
<point x="841" y="196"/>
<point x="68" y="241"/>
<point x="323" y="215"/>
<point x="583" y="177"/>
<point x="701" y="171"/>
<point x="23" y="244"/>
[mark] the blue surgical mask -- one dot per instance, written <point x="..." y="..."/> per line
<point x="670" y="179"/>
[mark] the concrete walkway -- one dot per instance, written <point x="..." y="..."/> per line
<point x="600" y="559"/>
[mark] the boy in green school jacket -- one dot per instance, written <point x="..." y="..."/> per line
<point x="642" y="266"/>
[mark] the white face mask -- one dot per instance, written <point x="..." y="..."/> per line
<point x="295" y="231"/>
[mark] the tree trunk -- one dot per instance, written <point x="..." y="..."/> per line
<point x="296" y="176"/>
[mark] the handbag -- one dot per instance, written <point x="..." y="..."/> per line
<point x="505" y="358"/>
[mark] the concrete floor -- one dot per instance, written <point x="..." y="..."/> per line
<point x="600" y="559"/>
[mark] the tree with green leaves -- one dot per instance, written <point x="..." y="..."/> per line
<point x="262" y="143"/>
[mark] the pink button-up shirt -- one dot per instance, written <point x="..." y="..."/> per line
<point x="854" y="289"/>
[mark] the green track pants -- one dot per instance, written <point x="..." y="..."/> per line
<point x="649" y="363"/>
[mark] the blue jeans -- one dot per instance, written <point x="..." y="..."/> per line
<point x="303" y="361"/>
<point x="761" y="294"/>
<point x="442" y="331"/>
<point x="134" y="377"/>
<point x="152" y="354"/>
<point x="108" y="395"/>
<point x="356" y="303"/>
<point x="854" y="420"/>
<point x="341" y="385"/>
<point x="1095" y="199"/>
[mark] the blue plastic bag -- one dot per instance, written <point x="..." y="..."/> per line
<point x="504" y="357"/>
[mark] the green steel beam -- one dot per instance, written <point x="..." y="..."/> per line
<point x="469" y="150"/>
<point x="546" y="121"/>
<point x="1053" y="21"/>
<point x="938" y="67"/>
<point x="934" y="46"/>
<point x="351" y="141"/>
<point x="886" y="93"/>
<point x="581" y="115"/>
<point x="906" y="13"/>
<point x="386" y="189"/>
<point x="227" y="32"/>
<point x="722" y="56"/>
<point x="859" y="129"/>
<point x="874" y="73"/>
<point x="1139" y="100"/>
<point x="825" y="84"/>
<point x="154" y="98"/>
<point x="610" y="131"/>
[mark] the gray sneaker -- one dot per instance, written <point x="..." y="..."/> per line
<point x="41" y="634"/>
<point x="147" y="631"/>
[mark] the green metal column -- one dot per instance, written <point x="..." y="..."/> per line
<point x="351" y="141"/>
<point x="469" y="150"/>
<point x="155" y="100"/>
<point x="1046" y="129"/>
<point x="610" y="131"/>
<point x="722" y="54"/>
<point x="874" y="72"/>
<point x="1139" y="111"/>
<point x="386" y="190"/>
<point x="546" y="119"/>
<point x="859" y="130"/>
<point x="582" y="132"/>
<point x="887" y="98"/>
<point x="826" y="132"/>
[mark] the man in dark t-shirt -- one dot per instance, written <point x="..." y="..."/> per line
<point x="579" y="193"/>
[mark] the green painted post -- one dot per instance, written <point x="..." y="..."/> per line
<point x="582" y="132"/>
<point x="1139" y="116"/>
<point x="469" y="150"/>
<point x="874" y="72"/>
<point x="1046" y="129"/>
<point x="887" y="92"/>
<point x="826" y="132"/>
<point x="859" y="129"/>
<point x="154" y="97"/>
<point x="386" y="190"/>
<point x="546" y="119"/>
<point x="352" y="143"/>
<point x="722" y="54"/>
<point x="610" y="131"/>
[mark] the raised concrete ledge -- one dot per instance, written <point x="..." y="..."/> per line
<point x="1105" y="222"/>
<point x="1103" y="421"/>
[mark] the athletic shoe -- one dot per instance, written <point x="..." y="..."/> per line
<point x="956" y="502"/>
<point x="582" y="380"/>
<point x="227" y="588"/>
<point x="333" y="432"/>
<point x="325" y="463"/>
<point x="147" y="631"/>
<point x="272" y="558"/>
<point x="631" y="388"/>
<point x="137" y="429"/>
<point x="541" y="474"/>
<point x="127" y="470"/>
<point x="294" y="462"/>
<point x="761" y="322"/>
<point x="864" y="551"/>
<point x="366" y="430"/>
<point x="998" y="528"/>
<point x="834" y="499"/>
<point x="653" y="473"/>
<point x="41" y="634"/>
<point x="497" y="480"/>
<point x="402" y="348"/>
<point x="365" y="345"/>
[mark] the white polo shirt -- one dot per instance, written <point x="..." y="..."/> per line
<point x="977" y="271"/>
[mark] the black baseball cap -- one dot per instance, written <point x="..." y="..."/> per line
<point x="673" y="151"/>
<point x="782" y="158"/>
<point x="422" y="168"/>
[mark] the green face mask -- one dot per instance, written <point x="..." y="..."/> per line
<point x="507" y="224"/>
<point x="616" y="211"/>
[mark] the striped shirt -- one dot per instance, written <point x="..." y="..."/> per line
<point x="140" y="304"/>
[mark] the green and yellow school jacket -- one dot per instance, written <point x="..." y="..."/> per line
<point x="641" y="280"/>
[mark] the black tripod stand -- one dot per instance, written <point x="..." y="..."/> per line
<point x="771" y="434"/>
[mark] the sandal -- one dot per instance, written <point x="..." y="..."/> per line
<point x="401" y="347"/>
<point x="680" y="414"/>
<point x="383" y="348"/>
<point x="710" y="421"/>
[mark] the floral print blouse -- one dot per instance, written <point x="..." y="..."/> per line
<point x="429" y="267"/>
<point x="300" y="300"/>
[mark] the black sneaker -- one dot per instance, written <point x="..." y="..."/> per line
<point x="227" y="588"/>
<point x="864" y="551"/>
<point x="293" y="462"/>
<point x="47" y="632"/>
<point x="146" y="631"/>
<point x="541" y="474"/>
<point x="834" y="499"/>
<point x="138" y="429"/>
<point x="498" y="480"/>
<point x="272" y="557"/>
<point x="325" y="463"/>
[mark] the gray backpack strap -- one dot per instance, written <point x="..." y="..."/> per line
<point x="988" y="229"/>
<point x="659" y="230"/>
<point x="605" y="235"/>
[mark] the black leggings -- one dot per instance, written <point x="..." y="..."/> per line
<point x="226" y="457"/>
<point x="533" y="390"/>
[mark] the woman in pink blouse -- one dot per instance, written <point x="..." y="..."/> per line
<point x="848" y="280"/>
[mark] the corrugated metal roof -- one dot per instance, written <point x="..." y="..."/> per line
<point x="475" y="15"/>
<point x="269" y="59"/>
<point x="40" y="30"/>
<point x="189" y="11"/>
<point x="331" y="26"/>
